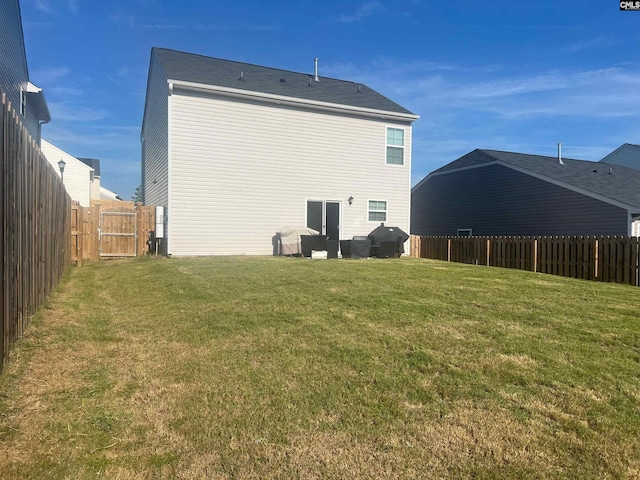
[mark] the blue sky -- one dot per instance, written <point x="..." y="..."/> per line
<point x="508" y="75"/>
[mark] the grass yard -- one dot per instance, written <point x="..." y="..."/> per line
<point x="287" y="368"/>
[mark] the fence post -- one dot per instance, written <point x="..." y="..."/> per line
<point x="448" y="250"/>
<point x="535" y="255"/>
<point x="596" y="260"/>
<point x="488" y="251"/>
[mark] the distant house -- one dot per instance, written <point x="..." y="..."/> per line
<point x="27" y="98"/>
<point x="627" y="155"/>
<point x="235" y="151"/>
<point x="94" y="163"/>
<point x="106" y="194"/>
<point x="78" y="177"/>
<point x="489" y="192"/>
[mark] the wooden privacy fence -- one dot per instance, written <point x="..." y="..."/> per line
<point x="35" y="242"/>
<point x="110" y="229"/>
<point x="605" y="259"/>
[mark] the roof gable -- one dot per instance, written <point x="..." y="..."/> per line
<point x="615" y="182"/>
<point x="198" y="69"/>
<point x="627" y="155"/>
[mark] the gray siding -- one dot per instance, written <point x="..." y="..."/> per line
<point x="627" y="155"/>
<point x="496" y="200"/>
<point x="14" y="75"/>
<point x="155" y="133"/>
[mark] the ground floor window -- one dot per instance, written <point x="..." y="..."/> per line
<point x="377" y="210"/>
<point x="464" y="232"/>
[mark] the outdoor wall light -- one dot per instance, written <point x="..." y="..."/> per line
<point x="350" y="200"/>
<point x="61" y="165"/>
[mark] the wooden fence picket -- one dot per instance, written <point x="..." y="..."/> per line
<point x="36" y="228"/>
<point x="604" y="259"/>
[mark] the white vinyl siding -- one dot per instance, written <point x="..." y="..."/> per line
<point x="95" y="188"/>
<point x="77" y="175"/>
<point x="242" y="170"/>
<point x="155" y="141"/>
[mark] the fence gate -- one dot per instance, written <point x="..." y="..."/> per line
<point x="118" y="234"/>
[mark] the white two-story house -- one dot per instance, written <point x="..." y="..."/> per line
<point x="235" y="151"/>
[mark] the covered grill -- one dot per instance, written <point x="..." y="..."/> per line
<point x="289" y="239"/>
<point x="384" y="233"/>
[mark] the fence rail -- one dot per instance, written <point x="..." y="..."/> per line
<point x="604" y="259"/>
<point x="35" y="243"/>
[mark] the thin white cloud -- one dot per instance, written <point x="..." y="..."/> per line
<point x="598" y="93"/>
<point x="588" y="44"/>
<point x="67" y="112"/>
<point x="48" y="75"/>
<point x="46" y="6"/>
<point x="65" y="91"/>
<point x="73" y="6"/>
<point x="365" y="10"/>
<point x="202" y="26"/>
<point x="43" y="6"/>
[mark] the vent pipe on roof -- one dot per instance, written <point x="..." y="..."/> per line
<point x="315" y="60"/>
<point x="560" y="154"/>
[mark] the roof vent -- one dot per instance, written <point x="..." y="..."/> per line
<point x="315" y="60"/>
<point x="560" y="154"/>
<point x="610" y="170"/>
<point x="241" y="76"/>
<point x="282" y="80"/>
<point x="358" y="88"/>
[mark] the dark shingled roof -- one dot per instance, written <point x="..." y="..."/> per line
<point x="93" y="163"/>
<point x="189" y="67"/>
<point x="622" y="184"/>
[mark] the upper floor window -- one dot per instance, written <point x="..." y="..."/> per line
<point x="395" y="146"/>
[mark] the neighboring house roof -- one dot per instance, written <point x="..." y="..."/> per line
<point x="93" y="163"/>
<point x="627" y="155"/>
<point x="615" y="182"/>
<point x="106" y="194"/>
<point x="238" y="76"/>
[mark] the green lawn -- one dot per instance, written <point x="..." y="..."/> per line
<point x="288" y="368"/>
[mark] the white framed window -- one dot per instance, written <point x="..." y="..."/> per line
<point x="395" y="146"/>
<point x="377" y="210"/>
<point x="464" y="232"/>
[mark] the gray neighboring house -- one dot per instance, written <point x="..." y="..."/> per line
<point x="489" y="192"/>
<point x="627" y="155"/>
<point x="27" y="99"/>
<point x="236" y="151"/>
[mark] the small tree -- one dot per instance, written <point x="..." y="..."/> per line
<point x="137" y="195"/>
